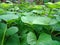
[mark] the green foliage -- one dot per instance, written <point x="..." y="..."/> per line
<point x="31" y="38"/>
<point x="26" y="24"/>
<point x="11" y="31"/>
<point x="38" y="20"/>
<point x="45" y="39"/>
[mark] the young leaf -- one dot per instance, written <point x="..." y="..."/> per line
<point x="31" y="38"/>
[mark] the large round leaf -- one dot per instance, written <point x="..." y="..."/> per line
<point x="9" y="17"/>
<point x="38" y="20"/>
<point x="11" y="31"/>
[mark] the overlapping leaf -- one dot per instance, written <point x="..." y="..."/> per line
<point x="45" y="39"/>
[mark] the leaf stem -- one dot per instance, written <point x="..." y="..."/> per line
<point x="2" y="43"/>
<point x="49" y="12"/>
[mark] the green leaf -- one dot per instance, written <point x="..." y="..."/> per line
<point x="13" y="40"/>
<point x="57" y="4"/>
<point x="50" y="5"/>
<point x="9" y="17"/>
<point x="58" y="18"/>
<point x="56" y="27"/>
<point x="38" y="7"/>
<point x="38" y="20"/>
<point x="5" y="5"/>
<point x="45" y="39"/>
<point x="24" y="39"/>
<point x="3" y="28"/>
<point x="2" y="12"/>
<point x="31" y="38"/>
<point x="11" y="31"/>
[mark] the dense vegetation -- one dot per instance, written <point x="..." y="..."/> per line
<point x="30" y="1"/>
<point x="26" y="24"/>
